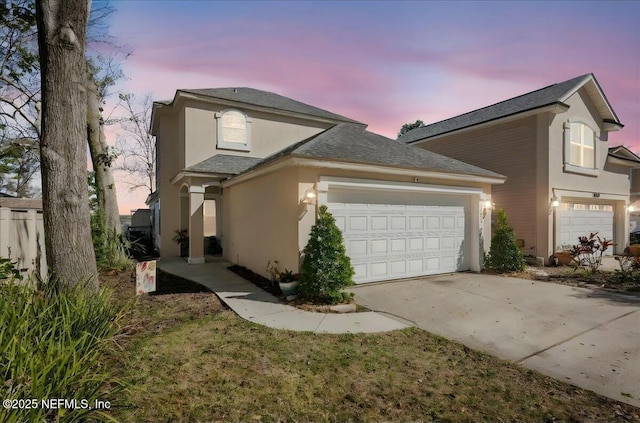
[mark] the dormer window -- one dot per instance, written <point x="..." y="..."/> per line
<point x="580" y="149"/>
<point x="234" y="130"/>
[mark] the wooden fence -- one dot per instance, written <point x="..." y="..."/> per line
<point x="22" y="234"/>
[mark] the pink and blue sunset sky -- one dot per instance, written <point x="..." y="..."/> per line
<point x="383" y="63"/>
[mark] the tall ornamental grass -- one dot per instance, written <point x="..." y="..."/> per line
<point x="52" y="345"/>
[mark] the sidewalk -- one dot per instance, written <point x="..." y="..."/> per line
<point x="255" y="305"/>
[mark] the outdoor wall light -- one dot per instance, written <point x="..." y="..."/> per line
<point x="486" y="206"/>
<point x="555" y="202"/>
<point x="309" y="197"/>
<point x="630" y="208"/>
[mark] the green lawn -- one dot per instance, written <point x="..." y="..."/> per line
<point x="188" y="359"/>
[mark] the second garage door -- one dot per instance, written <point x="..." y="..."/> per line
<point x="582" y="219"/>
<point x="393" y="235"/>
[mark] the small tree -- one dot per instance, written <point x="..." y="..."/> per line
<point x="326" y="268"/>
<point x="409" y="126"/>
<point x="504" y="254"/>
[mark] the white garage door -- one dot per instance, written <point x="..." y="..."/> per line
<point x="392" y="241"/>
<point x="582" y="219"/>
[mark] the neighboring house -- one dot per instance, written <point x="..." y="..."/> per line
<point x="22" y="234"/>
<point x="265" y="162"/>
<point x="563" y="180"/>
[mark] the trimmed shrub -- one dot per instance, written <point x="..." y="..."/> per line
<point x="326" y="268"/>
<point x="504" y="254"/>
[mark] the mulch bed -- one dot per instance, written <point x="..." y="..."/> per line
<point x="274" y="289"/>
<point x="566" y="275"/>
<point x="257" y="280"/>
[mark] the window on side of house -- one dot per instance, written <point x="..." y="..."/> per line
<point x="234" y="130"/>
<point x="582" y="146"/>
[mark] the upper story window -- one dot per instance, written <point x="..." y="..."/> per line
<point x="234" y="130"/>
<point x="582" y="146"/>
<point x="580" y="149"/>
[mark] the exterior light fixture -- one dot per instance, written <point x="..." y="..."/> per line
<point x="309" y="197"/>
<point x="630" y="208"/>
<point x="555" y="202"/>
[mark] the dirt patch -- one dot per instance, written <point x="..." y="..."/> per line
<point x="175" y="301"/>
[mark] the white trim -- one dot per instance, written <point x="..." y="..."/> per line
<point x="576" y="88"/>
<point x="289" y="161"/>
<point x="370" y="184"/>
<point x="589" y="78"/>
<point x="385" y="170"/>
<point x="182" y="174"/>
<point x="554" y="108"/>
<point x="580" y="194"/>
<point x="196" y="189"/>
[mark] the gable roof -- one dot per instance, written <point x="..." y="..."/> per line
<point x="555" y="94"/>
<point x="622" y="153"/>
<point x="251" y="97"/>
<point x="353" y="143"/>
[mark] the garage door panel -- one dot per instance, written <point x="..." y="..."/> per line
<point x="357" y="223"/>
<point x="379" y="223"/>
<point x="398" y="223"/>
<point x="357" y="247"/>
<point x="416" y="223"/>
<point x="378" y="246"/>
<point x="433" y="222"/>
<point x="398" y="245"/>
<point x="398" y="267"/>
<point x="416" y="244"/>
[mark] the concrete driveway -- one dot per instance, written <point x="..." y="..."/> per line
<point x="577" y="335"/>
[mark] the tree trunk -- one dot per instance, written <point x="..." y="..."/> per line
<point x="105" y="184"/>
<point x="62" y="26"/>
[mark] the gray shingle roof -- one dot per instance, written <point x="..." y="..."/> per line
<point x="530" y="101"/>
<point x="352" y="143"/>
<point x="225" y="164"/>
<point x="253" y="97"/>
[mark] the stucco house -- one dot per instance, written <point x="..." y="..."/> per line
<point x="262" y="163"/>
<point x="563" y="178"/>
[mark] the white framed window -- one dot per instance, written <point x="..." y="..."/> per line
<point x="582" y="146"/>
<point x="234" y="130"/>
<point x="580" y="149"/>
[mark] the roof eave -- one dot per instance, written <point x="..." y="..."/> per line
<point x="184" y="174"/>
<point x="554" y="108"/>
<point x="619" y="161"/>
<point x="232" y="103"/>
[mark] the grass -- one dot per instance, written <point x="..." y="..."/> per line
<point x="192" y="360"/>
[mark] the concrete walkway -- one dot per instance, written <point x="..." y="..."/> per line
<point x="585" y="337"/>
<point x="255" y="305"/>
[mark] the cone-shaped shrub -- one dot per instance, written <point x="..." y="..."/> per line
<point x="504" y="254"/>
<point x="326" y="268"/>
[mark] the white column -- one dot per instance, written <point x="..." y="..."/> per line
<point x="196" y="225"/>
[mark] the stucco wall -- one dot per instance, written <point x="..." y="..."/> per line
<point x="265" y="220"/>
<point x="169" y="144"/>
<point x="260" y="221"/>
<point x="269" y="132"/>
